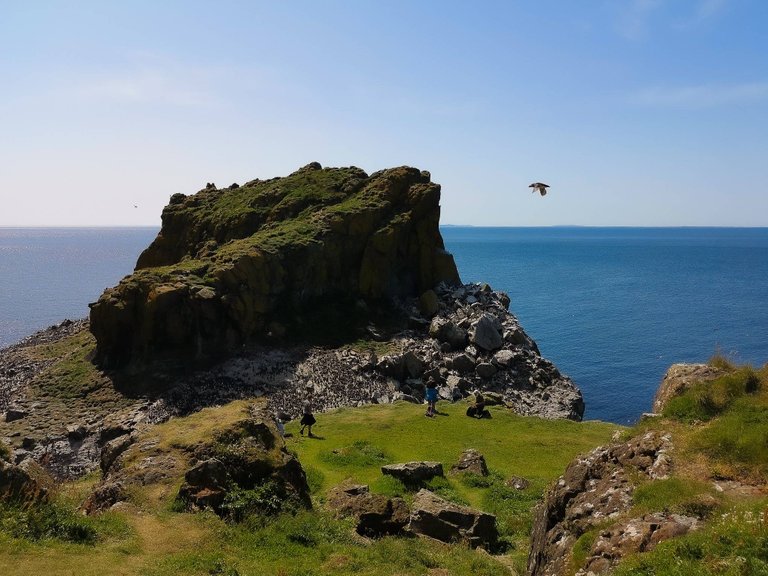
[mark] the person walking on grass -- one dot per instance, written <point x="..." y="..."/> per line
<point x="307" y="420"/>
<point x="431" y="395"/>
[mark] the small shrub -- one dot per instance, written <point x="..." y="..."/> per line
<point x="47" y="520"/>
<point x="582" y="547"/>
<point x="268" y="499"/>
<point x="719" y="360"/>
<point x="472" y="480"/>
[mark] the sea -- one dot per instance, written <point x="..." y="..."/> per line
<point x="613" y="308"/>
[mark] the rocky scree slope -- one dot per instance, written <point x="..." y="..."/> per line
<point x="314" y="252"/>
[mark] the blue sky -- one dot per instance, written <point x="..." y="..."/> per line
<point x="636" y="112"/>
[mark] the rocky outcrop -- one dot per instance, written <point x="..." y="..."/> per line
<point x="313" y="252"/>
<point x="594" y="492"/>
<point x="443" y="520"/>
<point x="375" y="514"/>
<point x="680" y="377"/>
<point x="236" y="468"/>
<point x="634" y="536"/>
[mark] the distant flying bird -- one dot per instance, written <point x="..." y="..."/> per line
<point x="539" y="187"/>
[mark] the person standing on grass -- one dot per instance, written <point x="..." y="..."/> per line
<point x="307" y="420"/>
<point x="431" y="396"/>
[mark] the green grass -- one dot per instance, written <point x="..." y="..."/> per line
<point x="674" y="494"/>
<point x="150" y="539"/>
<point x="705" y="400"/>
<point x="354" y="443"/>
<point x="732" y="416"/>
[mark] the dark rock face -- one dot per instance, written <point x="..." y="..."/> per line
<point x="435" y="517"/>
<point x="376" y="514"/>
<point x="253" y="263"/>
<point x="594" y="492"/>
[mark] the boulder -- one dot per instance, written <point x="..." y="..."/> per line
<point x="376" y="515"/>
<point x="471" y="461"/>
<point x="485" y="333"/>
<point x="104" y="497"/>
<point x="443" y="520"/>
<point x="485" y="370"/>
<point x="413" y="473"/>
<point x="463" y="364"/>
<point x="112" y="449"/>
<point x="414" y="366"/>
<point x="13" y="414"/>
<point x="205" y="485"/>
<point x="448" y="332"/>
<point x="634" y="536"/>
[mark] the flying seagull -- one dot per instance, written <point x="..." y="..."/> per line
<point x="539" y="187"/>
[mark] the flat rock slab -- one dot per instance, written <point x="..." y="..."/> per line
<point x="443" y="520"/>
<point x="413" y="472"/>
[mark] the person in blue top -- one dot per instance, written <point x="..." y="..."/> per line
<point x="431" y="396"/>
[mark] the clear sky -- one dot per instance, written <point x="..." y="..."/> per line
<point x="636" y="112"/>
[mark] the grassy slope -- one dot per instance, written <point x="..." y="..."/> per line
<point x="720" y="432"/>
<point x="152" y="539"/>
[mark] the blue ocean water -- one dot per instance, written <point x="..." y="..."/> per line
<point x="614" y="307"/>
<point x="611" y="307"/>
<point x="50" y="274"/>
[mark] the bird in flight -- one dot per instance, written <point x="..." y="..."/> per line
<point x="539" y="187"/>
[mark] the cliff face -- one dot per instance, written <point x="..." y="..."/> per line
<point x="258" y="261"/>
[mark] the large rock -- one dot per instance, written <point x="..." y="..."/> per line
<point x="471" y="461"/>
<point x="375" y="514"/>
<point x="271" y="258"/>
<point x="486" y="334"/>
<point x="413" y="473"/>
<point x="443" y="520"/>
<point x="241" y="451"/>
<point x="680" y="377"/>
<point x="634" y="536"/>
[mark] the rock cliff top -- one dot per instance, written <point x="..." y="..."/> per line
<point x="315" y="254"/>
